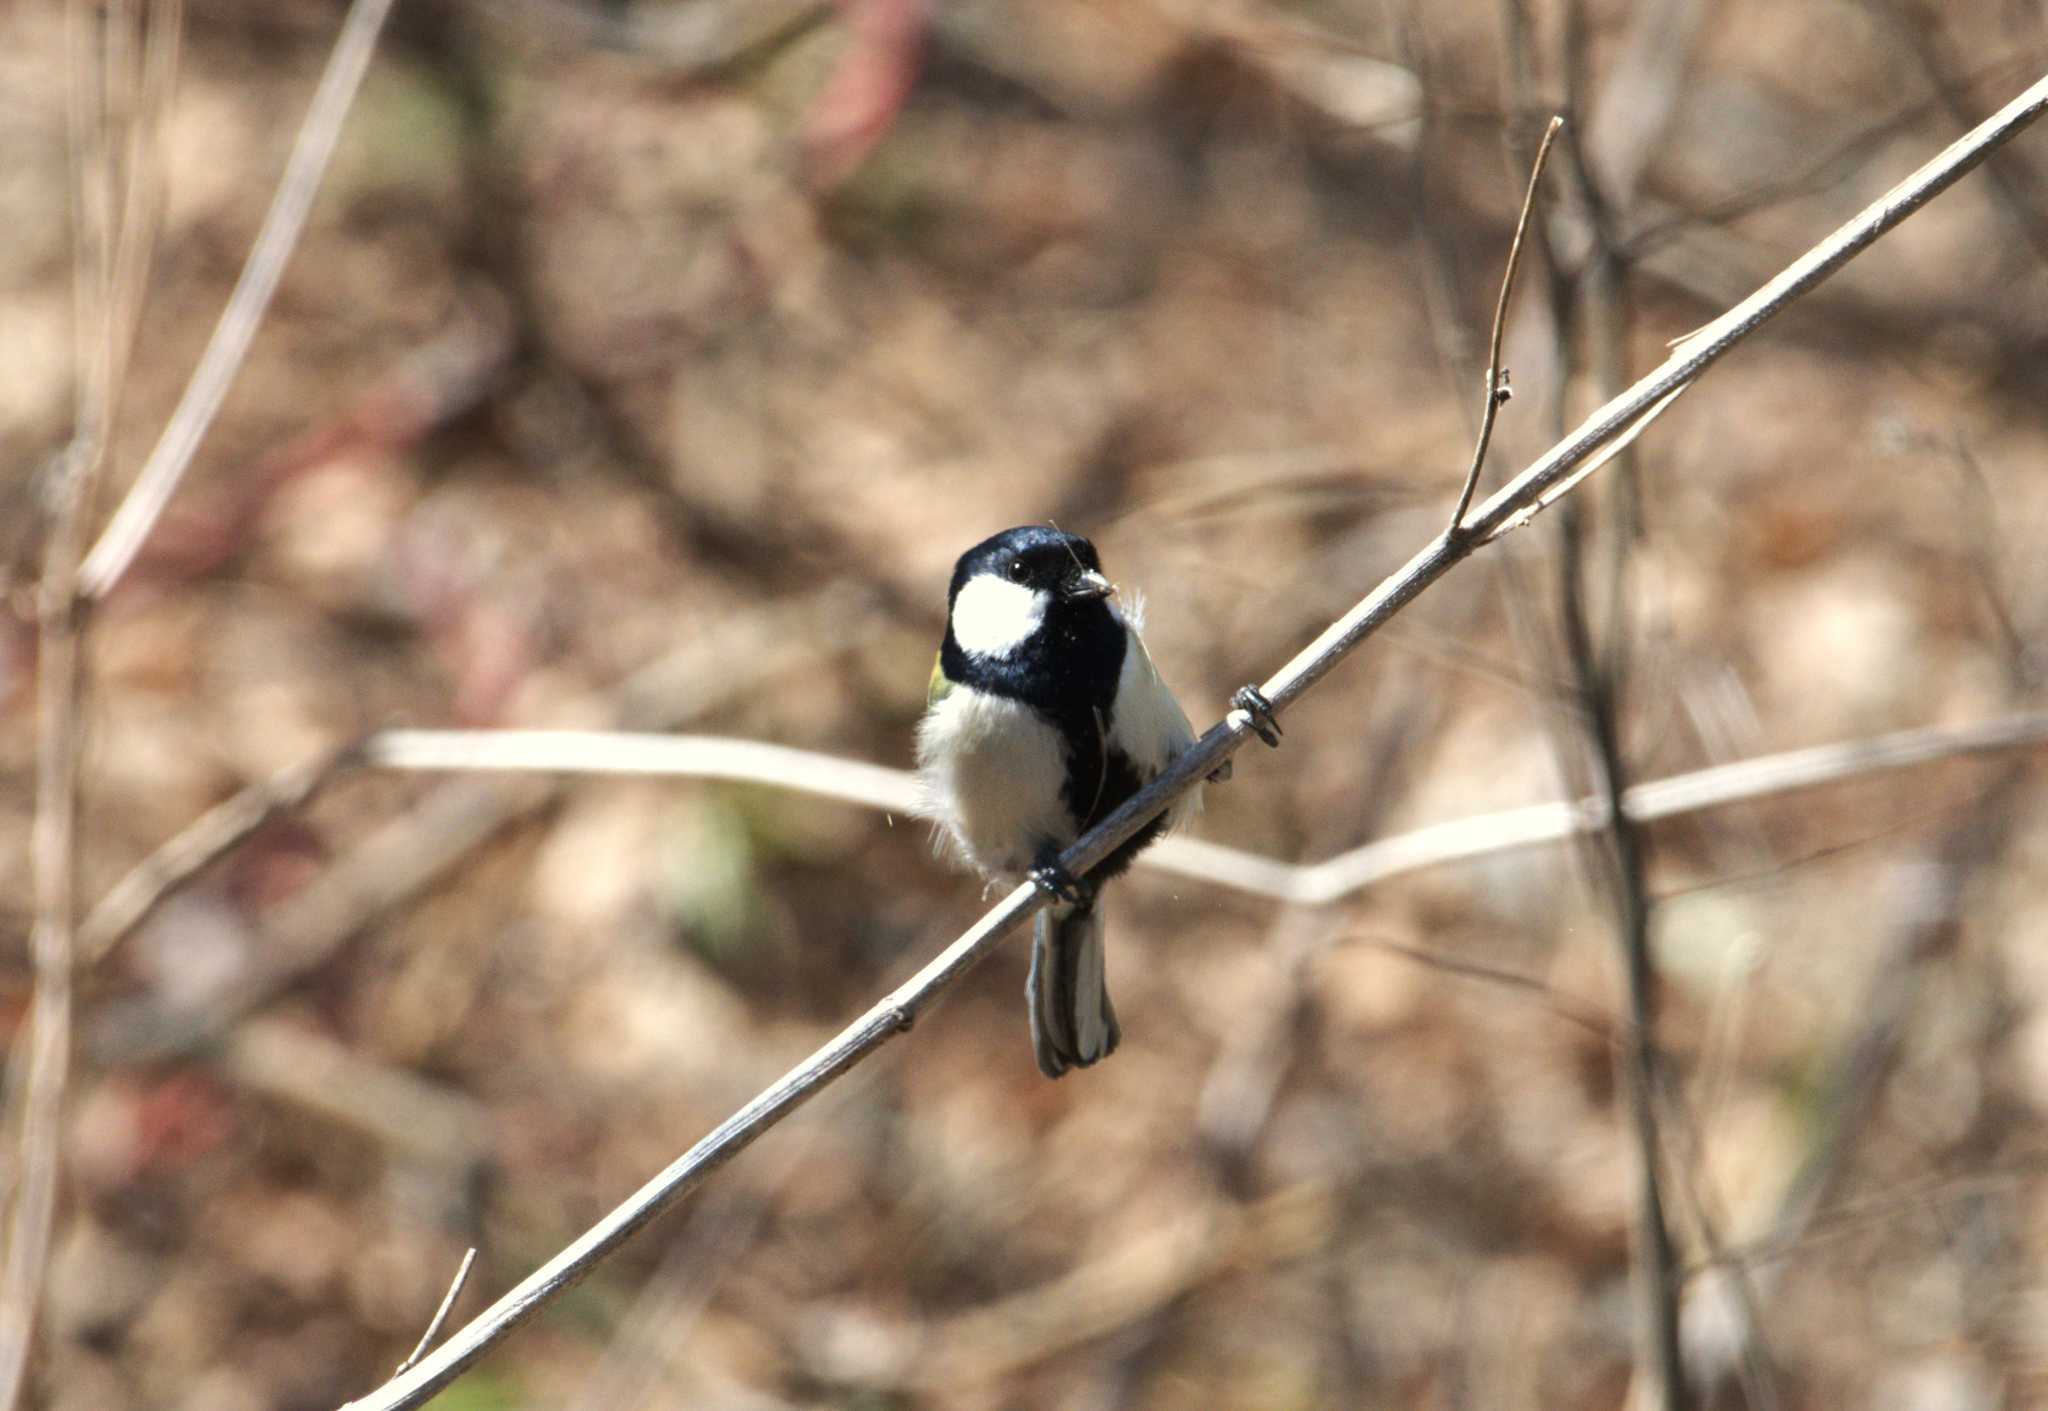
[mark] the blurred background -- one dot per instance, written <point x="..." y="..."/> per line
<point x="648" y="364"/>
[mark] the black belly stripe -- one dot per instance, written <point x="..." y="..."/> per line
<point x="1118" y="781"/>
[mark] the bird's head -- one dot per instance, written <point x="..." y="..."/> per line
<point x="1010" y="586"/>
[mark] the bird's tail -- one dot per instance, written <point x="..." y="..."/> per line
<point x="1073" y="1023"/>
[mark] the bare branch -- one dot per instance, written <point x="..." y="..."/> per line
<point x="1305" y="884"/>
<point x="222" y="359"/>
<point x="897" y="1010"/>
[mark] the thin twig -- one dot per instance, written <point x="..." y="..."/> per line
<point x="201" y="843"/>
<point x="160" y="474"/>
<point x="440" y="1314"/>
<point x="1496" y="376"/>
<point x="896" y="1011"/>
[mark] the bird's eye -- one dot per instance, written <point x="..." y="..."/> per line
<point x="1016" y="570"/>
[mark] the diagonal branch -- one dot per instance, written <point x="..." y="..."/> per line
<point x="899" y="1009"/>
<point x="166" y="466"/>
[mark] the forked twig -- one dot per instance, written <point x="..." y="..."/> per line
<point x="897" y="1010"/>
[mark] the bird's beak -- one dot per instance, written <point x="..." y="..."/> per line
<point x="1085" y="585"/>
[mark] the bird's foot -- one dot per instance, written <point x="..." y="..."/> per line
<point x="1258" y="713"/>
<point x="1052" y="878"/>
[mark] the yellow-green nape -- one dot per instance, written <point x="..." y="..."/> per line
<point x="935" y="689"/>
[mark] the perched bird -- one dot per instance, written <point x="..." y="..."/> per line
<point x="1044" y="714"/>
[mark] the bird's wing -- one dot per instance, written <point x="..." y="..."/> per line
<point x="1147" y="715"/>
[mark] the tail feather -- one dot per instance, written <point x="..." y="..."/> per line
<point x="1073" y="1023"/>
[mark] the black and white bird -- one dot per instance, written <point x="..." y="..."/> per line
<point x="1044" y="714"/>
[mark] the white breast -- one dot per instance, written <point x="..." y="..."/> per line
<point x="1151" y="728"/>
<point x="991" y="772"/>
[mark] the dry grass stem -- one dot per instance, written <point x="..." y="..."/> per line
<point x="166" y="466"/>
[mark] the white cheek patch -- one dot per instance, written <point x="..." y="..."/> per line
<point x="992" y="616"/>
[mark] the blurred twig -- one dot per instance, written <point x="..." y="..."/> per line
<point x="984" y="1345"/>
<point x="166" y="465"/>
<point x="1844" y="1219"/>
<point x="130" y="901"/>
<point x="113" y="100"/>
<point x="411" y="851"/>
<point x="1599" y="697"/>
<point x="424" y="1123"/>
<point x="1814" y="173"/>
<point x="1927" y="923"/>
<point x="1921" y="40"/>
<point x="1589" y="293"/>
<point x="899" y="1009"/>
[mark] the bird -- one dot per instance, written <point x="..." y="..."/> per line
<point x="1044" y="713"/>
